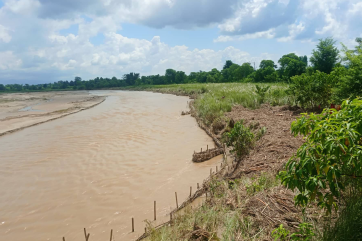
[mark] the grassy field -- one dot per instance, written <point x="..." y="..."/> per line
<point x="213" y="100"/>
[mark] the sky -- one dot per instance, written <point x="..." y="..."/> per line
<point x="43" y="41"/>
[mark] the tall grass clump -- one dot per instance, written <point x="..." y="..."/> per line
<point x="349" y="224"/>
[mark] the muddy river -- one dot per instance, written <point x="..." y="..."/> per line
<point x="99" y="168"/>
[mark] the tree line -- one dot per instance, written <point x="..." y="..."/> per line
<point x="324" y="59"/>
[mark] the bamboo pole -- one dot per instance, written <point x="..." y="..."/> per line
<point x="190" y="191"/>
<point x="198" y="186"/>
<point x="216" y="169"/>
<point x="132" y="225"/>
<point x="86" y="235"/>
<point x="63" y="239"/>
<point x="111" y="237"/>
<point x="154" y="210"/>
<point x="176" y="199"/>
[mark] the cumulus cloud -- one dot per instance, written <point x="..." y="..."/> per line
<point x="33" y="47"/>
<point x="9" y="61"/>
<point x="293" y="19"/>
<point x="4" y="34"/>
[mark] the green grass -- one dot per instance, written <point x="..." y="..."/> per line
<point x="349" y="224"/>
<point x="213" y="100"/>
<point x="217" y="217"/>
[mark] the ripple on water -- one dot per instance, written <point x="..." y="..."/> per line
<point x="98" y="168"/>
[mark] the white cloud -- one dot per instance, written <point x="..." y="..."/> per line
<point x="31" y="39"/>
<point x="263" y="34"/>
<point x="9" y="61"/>
<point x="4" y="34"/>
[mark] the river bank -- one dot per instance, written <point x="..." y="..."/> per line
<point x="248" y="202"/>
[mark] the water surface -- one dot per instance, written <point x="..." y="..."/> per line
<point x="99" y="168"/>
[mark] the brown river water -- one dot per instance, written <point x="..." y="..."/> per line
<point x="99" y="168"/>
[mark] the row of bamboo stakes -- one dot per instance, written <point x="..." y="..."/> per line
<point x="87" y="235"/>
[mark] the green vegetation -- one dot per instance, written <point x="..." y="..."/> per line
<point x="305" y="233"/>
<point x="349" y="224"/>
<point x="331" y="158"/>
<point x="220" y="217"/>
<point x="241" y="139"/>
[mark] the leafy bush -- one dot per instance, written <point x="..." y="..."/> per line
<point x="312" y="90"/>
<point x="305" y="233"/>
<point x="280" y="233"/>
<point x="261" y="91"/>
<point x="241" y="139"/>
<point x="349" y="81"/>
<point x="331" y="157"/>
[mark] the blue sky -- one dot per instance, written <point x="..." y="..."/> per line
<point x="43" y="41"/>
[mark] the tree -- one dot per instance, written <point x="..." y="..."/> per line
<point x="349" y="80"/>
<point x="326" y="56"/>
<point x="304" y="59"/>
<point x="77" y="79"/>
<point x="244" y="71"/>
<point x="291" y="65"/>
<point x="267" y="63"/>
<point x="180" y="77"/>
<point x="170" y="76"/>
<point x="227" y="64"/>
<point x="130" y="78"/>
<point x="266" y="72"/>
<point x="2" y="87"/>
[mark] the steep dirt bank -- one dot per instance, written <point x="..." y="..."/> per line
<point x="22" y="110"/>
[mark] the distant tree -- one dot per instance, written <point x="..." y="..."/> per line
<point x="227" y="64"/>
<point x="304" y="59"/>
<point x="170" y="76"/>
<point x="326" y="56"/>
<point x="266" y="72"/>
<point x="267" y="63"/>
<point x="291" y="65"/>
<point x="2" y="87"/>
<point x="243" y="71"/>
<point x="181" y="77"/>
<point x="130" y="78"/>
<point x="77" y="78"/>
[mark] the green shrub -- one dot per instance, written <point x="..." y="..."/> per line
<point x="280" y="233"/>
<point x="312" y="90"/>
<point x="349" y="81"/>
<point x="331" y="157"/>
<point x="261" y="92"/>
<point x="305" y="233"/>
<point x="241" y="139"/>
